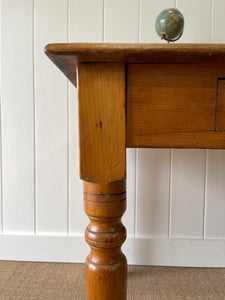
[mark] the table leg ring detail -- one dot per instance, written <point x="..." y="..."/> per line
<point x="106" y="266"/>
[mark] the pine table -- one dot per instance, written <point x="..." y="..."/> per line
<point x="135" y="95"/>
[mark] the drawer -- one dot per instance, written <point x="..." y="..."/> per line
<point x="171" y="100"/>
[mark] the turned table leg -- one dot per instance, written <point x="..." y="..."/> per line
<point x="106" y="266"/>
<point x="102" y="128"/>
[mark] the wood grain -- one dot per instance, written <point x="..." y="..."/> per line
<point x="120" y="29"/>
<point x="195" y="140"/>
<point x="106" y="266"/>
<point x="101" y="93"/>
<point x="171" y="102"/>
<point x="220" y="120"/>
<point x="173" y="98"/>
<point x="67" y="56"/>
<point x="176" y="106"/>
<point x="85" y="24"/>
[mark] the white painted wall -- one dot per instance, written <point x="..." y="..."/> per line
<point x="176" y="198"/>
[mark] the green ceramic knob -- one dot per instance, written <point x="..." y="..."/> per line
<point x="169" y="24"/>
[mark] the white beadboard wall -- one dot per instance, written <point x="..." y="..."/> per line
<point x="176" y="198"/>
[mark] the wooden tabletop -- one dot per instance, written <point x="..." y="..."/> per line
<point x="67" y="56"/>
<point x="135" y="95"/>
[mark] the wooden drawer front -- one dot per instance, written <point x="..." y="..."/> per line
<point x="170" y="100"/>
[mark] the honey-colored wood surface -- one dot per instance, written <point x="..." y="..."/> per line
<point x="67" y="56"/>
<point x="220" y="120"/>
<point x="188" y="140"/>
<point x="172" y="101"/>
<point x="174" y="105"/>
<point x="170" y="98"/>
<point x="101" y="94"/>
<point x="106" y="265"/>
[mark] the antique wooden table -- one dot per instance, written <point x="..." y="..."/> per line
<point x="135" y="95"/>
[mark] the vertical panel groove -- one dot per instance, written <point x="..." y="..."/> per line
<point x="51" y="121"/>
<point x="1" y="193"/>
<point x="197" y="21"/>
<point x="68" y="161"/>
<point x="68" y="20"/>
<point x="213" y="31"/>
<point x="103" y="21"/>
<point x="170" y="194"/>
<point x="139" y="20"/>
<point x="205" y="194"/>
<point x="211" y="22"/>
<point x="136" y="150"/>
<point x="188" y="193"/>
<point x="206" y="151"/>
<point x="85" y="25"/>
<point x="34" y="116"/>
<point x="135" y="193"/>
<point x="68" y="158"/>
<point x="68" y="130"/>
